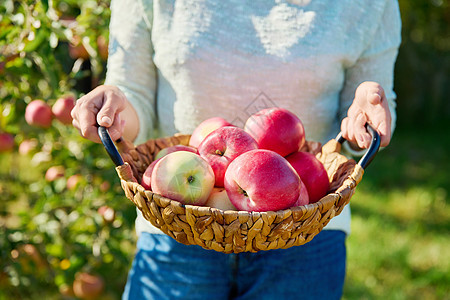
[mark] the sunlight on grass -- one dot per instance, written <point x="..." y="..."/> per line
<point x="399" y="245"/>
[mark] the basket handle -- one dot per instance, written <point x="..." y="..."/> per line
<point x="109" y="146"/>
<point x="371" y="151"/>
<point x="363" y="162"/>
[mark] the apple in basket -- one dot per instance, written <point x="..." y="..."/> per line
<point x="262" y="180"/>
<point x="219" y="199"/>
<point x="312" y="172"/>
<point x="174" y="148"/>
<point x="276" y="129"/>
<point x="205" y="128"/>
<point x="183" y="176"/>
<point x="222" y="146"/>
<point x="146" y="181"/>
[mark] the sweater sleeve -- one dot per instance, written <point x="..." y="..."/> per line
<point x="130" y="66"/>
<point x="376" y="64"/>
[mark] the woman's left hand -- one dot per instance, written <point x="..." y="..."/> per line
<point x="369" y="106"/>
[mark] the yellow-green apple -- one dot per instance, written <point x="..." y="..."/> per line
<point x="312" y="172"/>
<point x="262" y="180"/>
<point x="219" y="199"/>
<point x="6" y="142"/>
<point x="205" y="128"/>
<point x="146" y="181"/>
<point x="38" y="113"/>
<point x="276" y="129"/>
<point x="62" y="108"/>
<point x="174" y="148"/>
<point x="222" y="146"/>
<point x="183" y="176"/>
<point x="88" y="286"/>
<point x="54" y="173"/>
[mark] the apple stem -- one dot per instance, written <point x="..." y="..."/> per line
<point x="190" y="179"/>
<point x="218" y="152"/>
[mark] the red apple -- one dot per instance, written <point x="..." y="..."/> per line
<point x="104" y="186"/>
<point x="62" y="108"/>
<point x="262" y="180"/>
<point x="76" y="48"/>
<point x="205" y="128"/>
<point x="219" y="199"/>
<point x="222" y="146"/>
<point x="303" y="198"/>
<point x="171" y="149"/>
<point x="87" y="286"/>
<point x="6" y="142"/>
<point x="146" y="181"/>
<point x="183" y="176"/>
<point x="54" y="173"/>
<point x="312" y="172"/>
<point x="38" y="113"/>
<point x="276" y="129"/>
<point x="102" y="44"/>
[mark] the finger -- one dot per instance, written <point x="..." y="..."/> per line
<point x="87" y="122"/>
<point x="384" y="130"/>
<point x="375" y="93"/>
<point x="361" y="135"/>
<point x="344" y="129"/>
<point x="75" y="124"/>
<point x="113" y="104"/>
<point x="116" y="130"/>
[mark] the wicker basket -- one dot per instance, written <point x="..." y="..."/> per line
<point x="237" y="231"/>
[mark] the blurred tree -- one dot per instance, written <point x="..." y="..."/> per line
<point x="422" y="79"/>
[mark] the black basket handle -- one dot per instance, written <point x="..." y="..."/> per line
<point x="109" y="146"/>
<point x="363" y="162"/>
<point x="367" y="158"/>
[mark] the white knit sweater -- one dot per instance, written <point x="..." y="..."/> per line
<point x="182" y="61"/>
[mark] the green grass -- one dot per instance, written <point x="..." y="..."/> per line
<point x="399" y="247"/>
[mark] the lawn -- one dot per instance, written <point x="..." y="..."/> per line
<point x="400" y="240"/>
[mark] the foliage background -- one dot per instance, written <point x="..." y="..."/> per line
<point x="405" y="209"/>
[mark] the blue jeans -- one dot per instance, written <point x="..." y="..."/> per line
<point x="166" y="269"/>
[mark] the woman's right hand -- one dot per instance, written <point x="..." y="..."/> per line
<point x="102" y="106"/>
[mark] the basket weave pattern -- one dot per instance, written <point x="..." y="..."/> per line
<point x="238" y="231"/>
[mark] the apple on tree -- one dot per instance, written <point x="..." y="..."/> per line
<point x="62" y="108"/>
<point x="222" y="146"/>
<point x="54" y="173"/>
<point x="262" y="180"/>
<point x="312" y="173"/>
<point x="276" y="129"/>
<point x="183" y="176"/>
<point x="38" y="113"/>
<point x="88" y="286"/>
<point x="205" y="128"/>
<point x="6" y="142"/>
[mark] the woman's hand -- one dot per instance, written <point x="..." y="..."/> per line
<point x="369" y="106"/>
<point x="105" y="106"/>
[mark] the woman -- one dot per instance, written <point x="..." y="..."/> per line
<point x="173" y="64"/>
